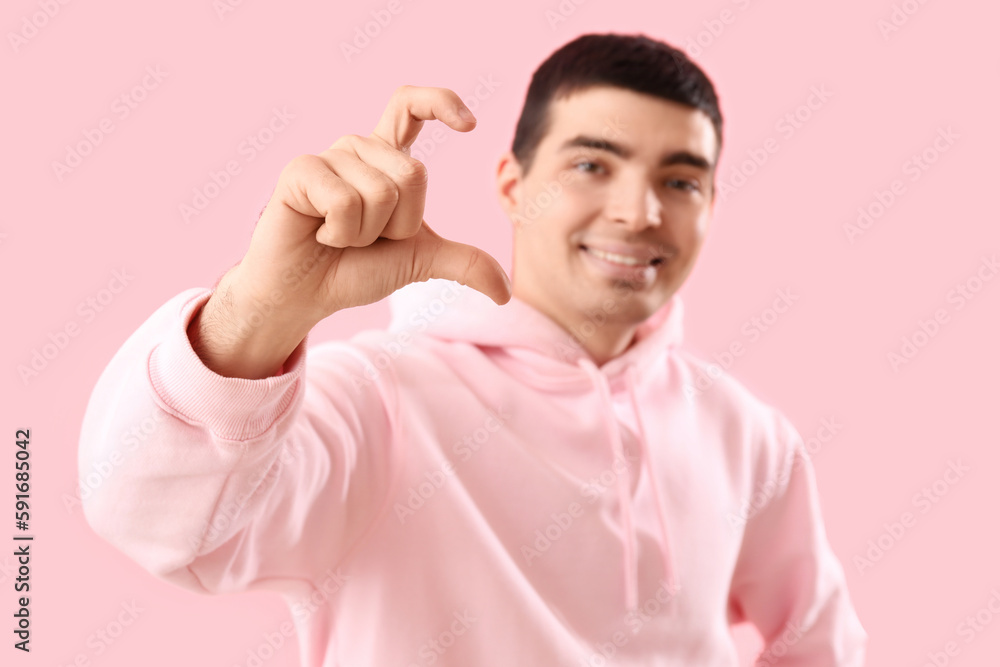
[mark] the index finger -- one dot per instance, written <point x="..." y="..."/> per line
<point x="410" y="106"/>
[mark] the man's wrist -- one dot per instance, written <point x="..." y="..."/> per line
<point x="234" y="338"/>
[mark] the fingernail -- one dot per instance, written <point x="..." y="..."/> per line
<point x="506" y="280"/>
<point x="466" y="115"/>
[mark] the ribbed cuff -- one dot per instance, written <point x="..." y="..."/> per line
<point x="232" y="408"/>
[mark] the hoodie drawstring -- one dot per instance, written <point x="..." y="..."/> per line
<point x="669" y="570"/>
<point x="630" y="562"/>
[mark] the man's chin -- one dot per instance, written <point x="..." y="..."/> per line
<point x="620" y="306"/>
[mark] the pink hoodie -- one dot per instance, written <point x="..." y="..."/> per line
<point x="467" y="488"/>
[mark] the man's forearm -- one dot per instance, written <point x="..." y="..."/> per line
<point x="236" y="337"/>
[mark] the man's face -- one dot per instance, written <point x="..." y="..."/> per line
<point x="613" y="211"/>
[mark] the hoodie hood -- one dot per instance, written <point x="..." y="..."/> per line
<point x="538" y="351"/>
<point x="449" y="310"/>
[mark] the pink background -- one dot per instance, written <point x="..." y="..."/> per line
<point x="784" y="228"/>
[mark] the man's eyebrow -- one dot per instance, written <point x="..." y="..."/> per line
<point x="677" y="157"/>
<point x="584" y="141"/>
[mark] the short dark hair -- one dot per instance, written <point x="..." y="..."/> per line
<point x="633" y="62"/>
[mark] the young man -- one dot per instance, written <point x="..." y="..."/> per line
<point x="480" y="484"/>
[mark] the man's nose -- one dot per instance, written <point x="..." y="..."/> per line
<point x="636" y="206"/>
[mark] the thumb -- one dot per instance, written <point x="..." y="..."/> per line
<point x="438" y="257"/>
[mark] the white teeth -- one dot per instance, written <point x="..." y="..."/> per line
<point x="616" y="258"/>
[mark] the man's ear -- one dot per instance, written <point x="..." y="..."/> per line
<point x="509" y="195"/>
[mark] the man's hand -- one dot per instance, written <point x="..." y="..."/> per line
<point x="343" y="228"/>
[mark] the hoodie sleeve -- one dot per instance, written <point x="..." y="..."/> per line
<point x="787" y="580"/>
<point x="222" y="484"/>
